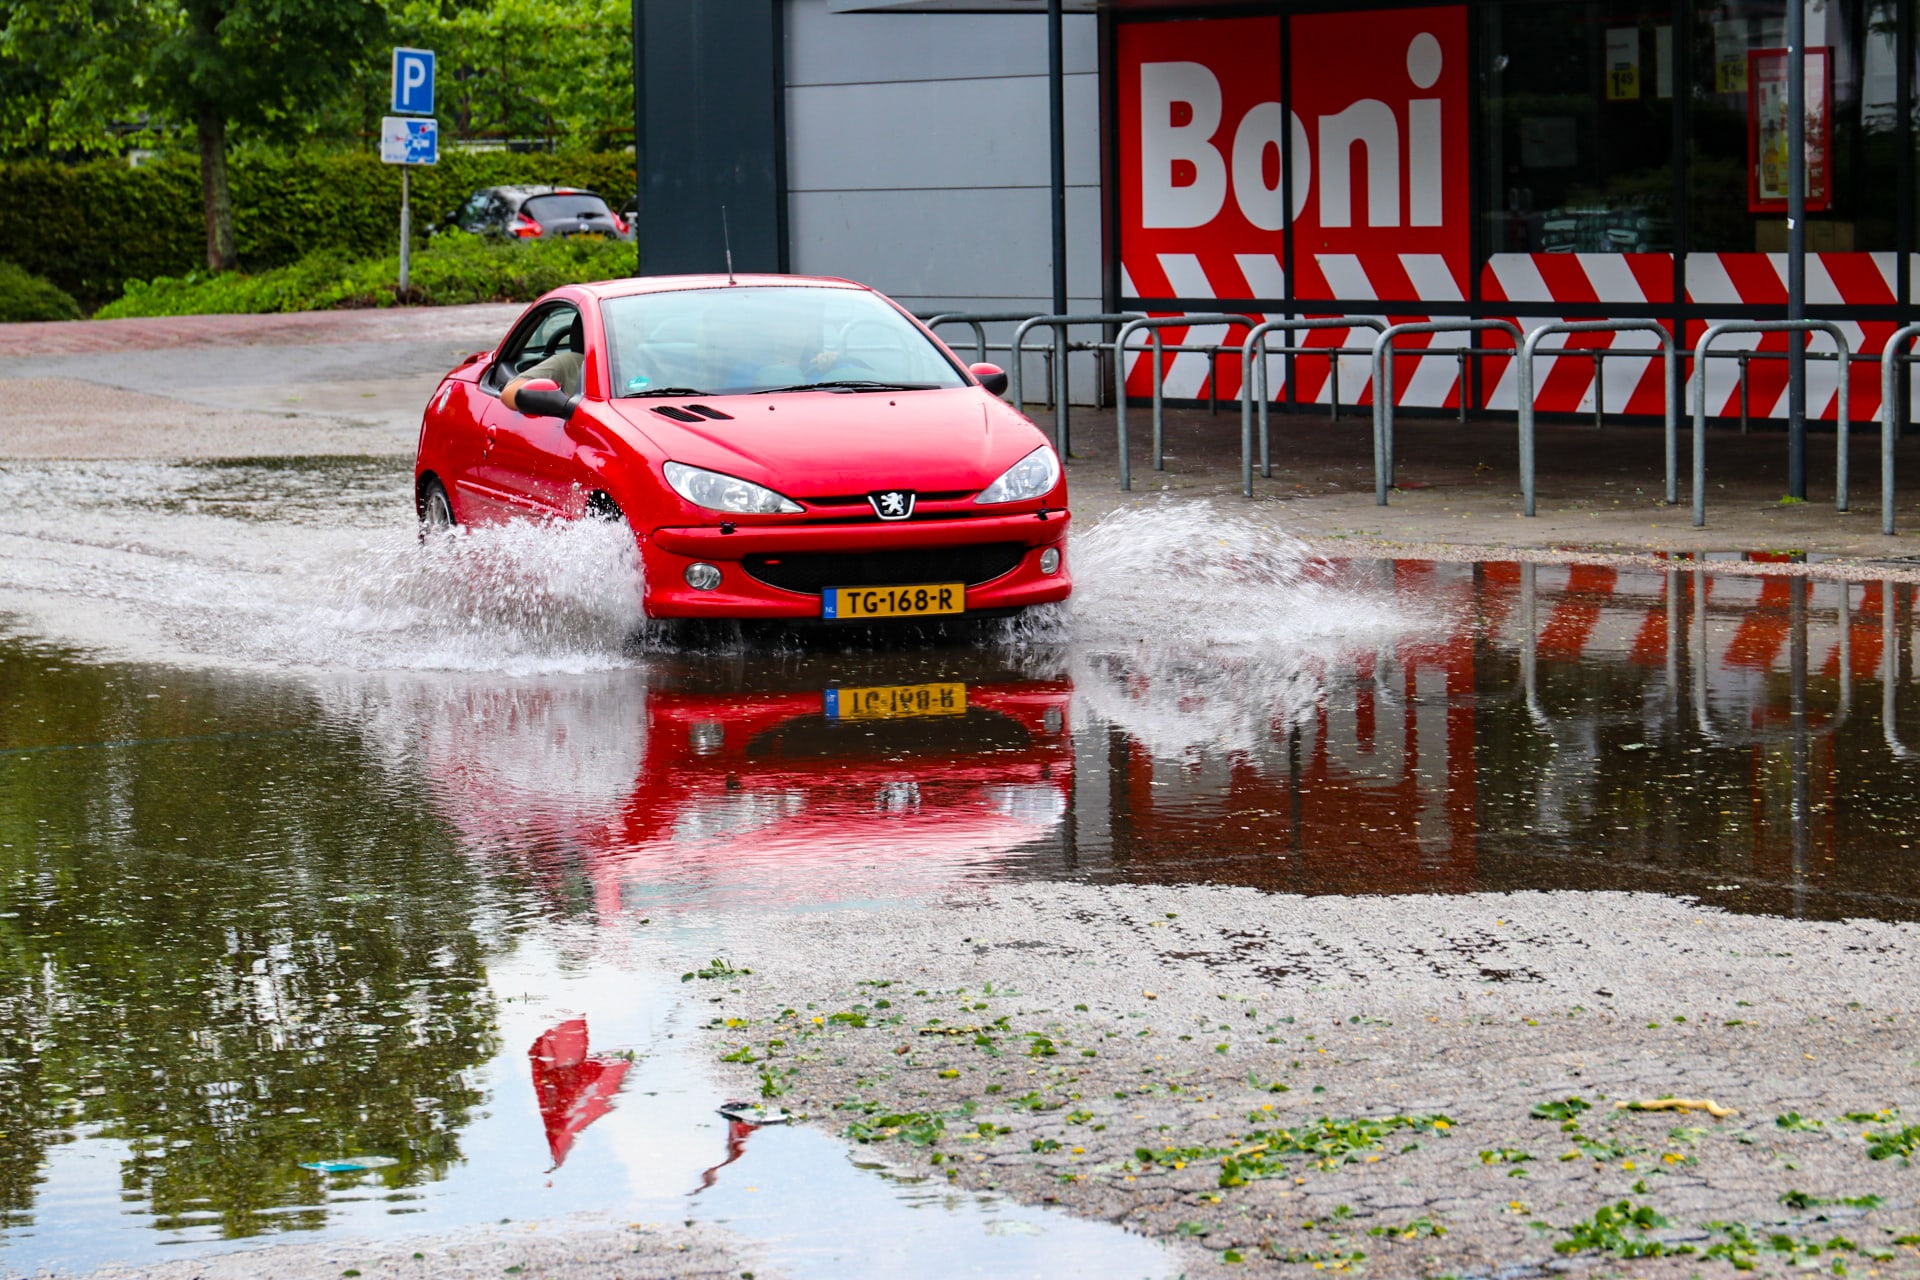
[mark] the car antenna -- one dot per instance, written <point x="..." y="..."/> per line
<point x="726" y="238"/>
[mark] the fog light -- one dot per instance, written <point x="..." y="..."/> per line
<point x="703" y="577"/>
<point x="1050" y="560"/>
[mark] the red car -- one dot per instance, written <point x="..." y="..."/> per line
<point x="783" y="447"/>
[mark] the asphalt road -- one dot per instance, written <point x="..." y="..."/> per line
<point x="354" y="383"/>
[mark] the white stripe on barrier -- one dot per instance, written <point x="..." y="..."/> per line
<point x="1129" y="290"/>
<point x="1612" y="279"/>
<point x="1344" y="275"/>
<point x="1434" y="376"/>
<point x="1431" y="277"/>
<point x="1266" y="278"/>
<point x="1707" y="280"/>
<point x="1186" y="376"/>
<point x="1623" y="375"/>
<point x="1346" y="278"/>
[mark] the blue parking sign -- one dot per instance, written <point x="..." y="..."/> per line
<point x="413" y="81"/>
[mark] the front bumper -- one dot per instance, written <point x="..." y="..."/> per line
<point x="666" y="553"/>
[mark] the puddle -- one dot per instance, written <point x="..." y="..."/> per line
<point x="265" y="901"/>
<point x="471" y="1134"/>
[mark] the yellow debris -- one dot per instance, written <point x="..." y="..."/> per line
<point x="1707" y="1105"/>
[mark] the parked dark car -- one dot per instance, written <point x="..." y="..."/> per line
<point x="529" y="213"/>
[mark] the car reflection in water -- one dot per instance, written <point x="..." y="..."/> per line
<point x="768" y="780"/>
<point x="1735" y="736"/>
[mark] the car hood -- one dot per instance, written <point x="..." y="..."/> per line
<point x="819" y="444"/>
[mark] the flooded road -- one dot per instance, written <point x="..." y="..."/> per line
<point x="316" y="845"/>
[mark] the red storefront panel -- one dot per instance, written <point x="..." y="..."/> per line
<point x="1379" y="199"/>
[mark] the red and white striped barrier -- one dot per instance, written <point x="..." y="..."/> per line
<point x="1536" y="286"/>
<point x="1583" y="612"/>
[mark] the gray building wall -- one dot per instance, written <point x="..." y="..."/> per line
<point x="917" y="159"/>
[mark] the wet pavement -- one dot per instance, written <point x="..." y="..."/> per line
<point x="316" y="845"/>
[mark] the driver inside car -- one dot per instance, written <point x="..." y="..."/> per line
<point x="564" y="367"/>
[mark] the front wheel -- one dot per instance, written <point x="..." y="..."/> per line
<point x="436" y="509"/>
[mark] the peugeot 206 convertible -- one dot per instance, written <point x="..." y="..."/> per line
<point x="783" y="447"/>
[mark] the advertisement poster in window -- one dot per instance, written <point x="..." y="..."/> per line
<point x="1374" y="144"/>
<point x="1623" y="64"/>
<point x="1769" y="159"/>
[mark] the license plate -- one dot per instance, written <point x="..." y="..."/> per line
<point x="896" y="701"/>
<point x="848" y="603"/>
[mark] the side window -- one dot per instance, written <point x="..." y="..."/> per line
<point x="472" y="214"/>
<point x="552" y="331"/>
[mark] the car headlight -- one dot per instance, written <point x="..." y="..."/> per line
<point x="717" y="492"/>
<point x="1032" y="477"/>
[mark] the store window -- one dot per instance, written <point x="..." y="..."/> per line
<point x="1579" y="127"/>
<point x="1739" y="162"/>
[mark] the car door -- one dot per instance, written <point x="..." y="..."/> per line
<point x="525" y="462"/>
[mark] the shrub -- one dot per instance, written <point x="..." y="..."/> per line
<point x="24" y="296"/>
<point x="90" y="227"/>
<point x="454" y="268"/>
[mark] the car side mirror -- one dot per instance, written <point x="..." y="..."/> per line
<point x="991" y="376"/>
<point x="543" y="398"/>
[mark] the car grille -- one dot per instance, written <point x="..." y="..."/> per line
<point x="817" y="570"/>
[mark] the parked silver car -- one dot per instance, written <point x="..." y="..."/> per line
<point x="532" y="213"/>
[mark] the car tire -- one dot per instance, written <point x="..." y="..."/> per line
<point x="436" y="509"/>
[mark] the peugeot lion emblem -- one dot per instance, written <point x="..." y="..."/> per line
<point x="892" y="504"/>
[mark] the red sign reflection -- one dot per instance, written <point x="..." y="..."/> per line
<point x="574" y="1089"/>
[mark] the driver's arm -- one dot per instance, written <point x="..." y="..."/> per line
<point x="563" y="367"/>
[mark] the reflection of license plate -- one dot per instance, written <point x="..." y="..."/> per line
<point x="889" y="702"/>
<point x="893" y="602"/>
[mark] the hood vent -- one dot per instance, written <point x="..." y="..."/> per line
<point x="692" y="413"/>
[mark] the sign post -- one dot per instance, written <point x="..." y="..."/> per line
<point x="408" y="142"/>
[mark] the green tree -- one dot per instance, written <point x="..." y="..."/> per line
<point x="263" y="64"/>
<point x="543" y="70"/>
<point x="231" y="951"/>
<point x="62" y="72"/>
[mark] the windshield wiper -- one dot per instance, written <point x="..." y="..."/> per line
<point x="855" y="384"/>
<point x="664" y="391"/>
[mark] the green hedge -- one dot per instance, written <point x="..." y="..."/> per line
<point x="28" y="297"/>
<point x="455" y="268"/>
<point x="91" y="227"/>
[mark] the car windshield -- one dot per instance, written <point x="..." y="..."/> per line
<point x="549" y="208"/>
<point x="735" y="340"/>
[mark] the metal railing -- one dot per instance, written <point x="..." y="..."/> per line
<point x="1152" y="326"/>
<point x="1383" y="386"/>
<point x="1890" y="358"/>
<point x="1700" y="349"/>
<point x="1060" y="325"/>
<point x="1890" y="668"/>
<point x="978" y="321"/>
<point x="1250" y="373"/>
<point x="1527" y="353"/>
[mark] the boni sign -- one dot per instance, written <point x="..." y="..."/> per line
<point x="1376" y="194"/>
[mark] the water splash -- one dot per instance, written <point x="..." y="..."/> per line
<point x="311" y="566"/>
<point x="135" y="561"/>
<point x="1200" y="631"/>
<point x="517" y="598"/>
